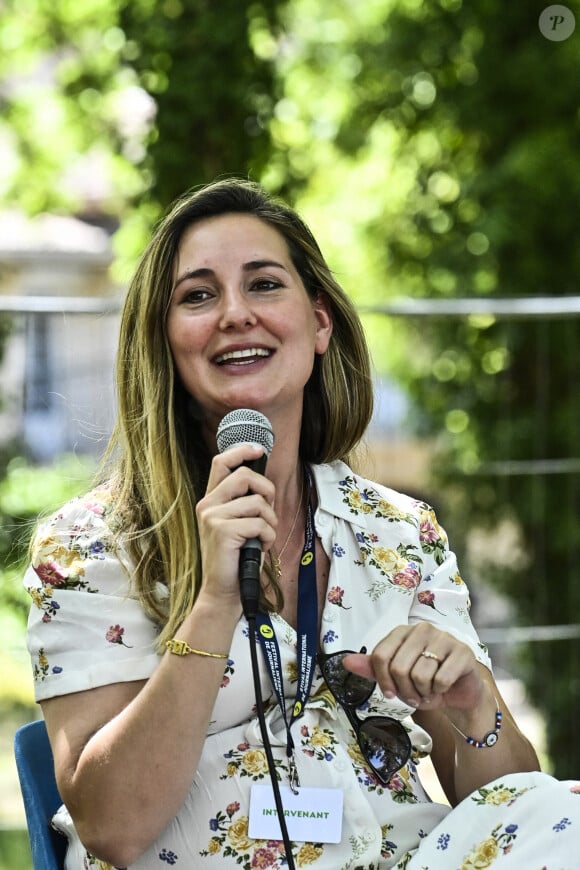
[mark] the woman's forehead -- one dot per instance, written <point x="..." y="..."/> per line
<point x="231" y="239"/>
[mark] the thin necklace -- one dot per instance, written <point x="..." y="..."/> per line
<point x="276" y="560"/>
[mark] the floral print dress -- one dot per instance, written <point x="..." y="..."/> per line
<point x="390" y="564"/>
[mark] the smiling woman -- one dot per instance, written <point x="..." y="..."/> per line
<point x="242" y="329"/>
<point x="139" y="646"/>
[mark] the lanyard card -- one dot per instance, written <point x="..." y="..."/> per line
<point x="313" y="815"/>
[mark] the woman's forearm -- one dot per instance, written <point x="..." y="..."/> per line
<point x="134" y="771"/>
<point x="511" y="753"/>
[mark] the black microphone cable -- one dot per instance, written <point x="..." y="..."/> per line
<point x="246" y="426"/>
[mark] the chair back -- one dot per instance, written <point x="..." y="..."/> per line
<point x="40" y="795"/>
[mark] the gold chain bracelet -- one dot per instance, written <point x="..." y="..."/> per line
<point x="182" y="648"/>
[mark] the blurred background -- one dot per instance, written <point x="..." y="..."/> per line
<point x="432" y="146"/>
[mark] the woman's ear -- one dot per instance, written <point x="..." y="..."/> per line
<point x="323" y="317"/>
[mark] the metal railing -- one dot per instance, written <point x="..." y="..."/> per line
<point x="520" y="308"/>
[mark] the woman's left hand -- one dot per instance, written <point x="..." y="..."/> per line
<point x="449" y="676"/>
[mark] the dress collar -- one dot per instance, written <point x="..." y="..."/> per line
<point x="327" y="479"/>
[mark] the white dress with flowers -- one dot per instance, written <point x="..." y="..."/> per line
<point x="389" y="565"/>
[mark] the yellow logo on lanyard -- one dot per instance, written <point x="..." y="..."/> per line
<point x="307" y="558"/>
<point x="266" y="631"/>
<point x="297" y="708"/>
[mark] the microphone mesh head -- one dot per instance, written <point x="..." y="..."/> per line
<point x="244" y="426"/>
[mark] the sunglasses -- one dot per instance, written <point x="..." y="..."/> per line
<point x="383" y="741"/>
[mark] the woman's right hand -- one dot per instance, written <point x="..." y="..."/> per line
<point x="237" y="505"/>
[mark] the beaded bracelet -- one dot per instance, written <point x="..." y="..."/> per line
<point x="182" y="648"/>
<point x="489" y="739"/>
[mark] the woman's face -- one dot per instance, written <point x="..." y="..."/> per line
<point x="242" y="329"/>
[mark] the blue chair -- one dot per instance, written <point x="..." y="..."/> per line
<point x="40" y="795"/>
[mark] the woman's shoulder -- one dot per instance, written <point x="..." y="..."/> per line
<point x="93" y="506"/>
<point x="77" y="548"/>
<point x="82" y="517"/>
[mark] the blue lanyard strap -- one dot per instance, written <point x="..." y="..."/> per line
<point x="307" y="641"/>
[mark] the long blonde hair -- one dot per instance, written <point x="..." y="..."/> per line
<point x="156" y="454"/>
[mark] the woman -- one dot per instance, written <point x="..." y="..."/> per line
<point x="157" y="753"/>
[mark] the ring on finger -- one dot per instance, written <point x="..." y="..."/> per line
<point x="431" y="655"/>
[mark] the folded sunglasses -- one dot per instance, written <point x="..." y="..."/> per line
<point x="383" y="741"/>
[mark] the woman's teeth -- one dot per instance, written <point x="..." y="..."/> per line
<point x="242" y="357"/>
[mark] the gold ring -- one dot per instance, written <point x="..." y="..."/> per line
<point x="430" y="655"/>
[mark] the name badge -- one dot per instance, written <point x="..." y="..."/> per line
<point x="314" y="815"/>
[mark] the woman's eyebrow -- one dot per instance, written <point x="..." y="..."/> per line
<point x="194" y="273"/>
<point x="254" y="265"/>
<point x="251" y="266"/>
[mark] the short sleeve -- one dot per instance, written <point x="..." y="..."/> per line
<point x="85" y="627"/>
<point x="442" y="597"/>
<point x="402" y="568"/>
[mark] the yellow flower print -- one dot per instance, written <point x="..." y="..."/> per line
<point x="42" y="660"/>
<point x="77" y="568"/>
<point x="47" y="549"/>
<point x="388" y="559"/>
<point x="389" y="510"/>
<point x="70" y="560"/>
<point x="325" y="696"/>
<point x="37" y="597"/>
<point x="482" y="856"/>
<point x="214" y="846"/>
<point x="457" y="579"/>
<point x="499" y="796"/>
<point x="254" y="761"/>
<point x="244" y="761"/>
<point x="320" y="738"/>
<point x="355" y="499"/>
<point x="308" y="854"/>
<point x="356" y="754"/>
<point x="238" y="835"/>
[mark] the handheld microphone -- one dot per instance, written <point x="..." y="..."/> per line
<point x="245" y="426"/>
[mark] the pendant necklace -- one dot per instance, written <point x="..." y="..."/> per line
<point x="276" y="561"/>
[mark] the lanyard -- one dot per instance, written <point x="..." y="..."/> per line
<point x="306" y="635"/>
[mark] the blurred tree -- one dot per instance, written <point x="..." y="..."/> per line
<point x="109" y="104"/>
<point x="26" y="492"/>
<point x="208" y="67"/>
<point x="495" y="207"/>
<point x="453" y="149"/>
<point x="432" y="144"/>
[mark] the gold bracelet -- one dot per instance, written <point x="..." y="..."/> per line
<point x="182" y="648"/>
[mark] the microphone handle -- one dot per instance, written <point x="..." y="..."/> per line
<point x="249" y="574"/>
<point x="251" y="558"/>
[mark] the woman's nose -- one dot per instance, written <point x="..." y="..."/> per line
<point x="236" y="310"/>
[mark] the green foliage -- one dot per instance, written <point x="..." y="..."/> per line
<point x="214" y="93"/>
<point x="27" y="492"/>
<point x="493" y="206"/>
<point x="49" y="53"/>
<point x="15" y="850"/>
<point x="123" y="103"/>
<point x="431" y="144"/>
<point x="434" y="146"/>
